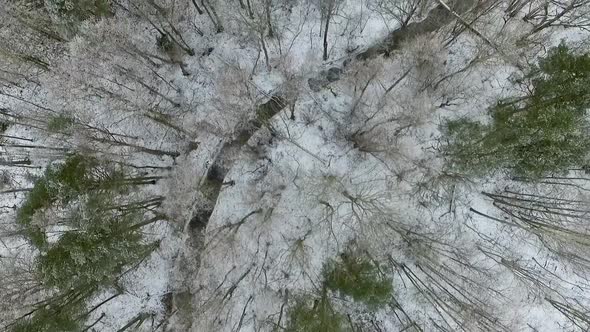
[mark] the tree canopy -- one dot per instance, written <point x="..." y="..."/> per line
<point x="543" y="132"/>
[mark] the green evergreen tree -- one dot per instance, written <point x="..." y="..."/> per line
<point x="103" y="244"/>
<point x="314" y="316"/>
<point x="353" y="275"/>
<point x="541" y="133"/>
<point x="63" y="183"/>
<point x="103" y="240"/>
<point x="60" y="123"/>
<point x="356" y="276"/>
<point x="92" y="257"/>
<point x="45" y="320"/>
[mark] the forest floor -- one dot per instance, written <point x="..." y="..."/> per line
<point x="282" y="163"/>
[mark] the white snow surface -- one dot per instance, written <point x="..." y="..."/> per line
<point x="303" y="192"/>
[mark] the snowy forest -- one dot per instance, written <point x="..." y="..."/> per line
<point x="294" y="165"/>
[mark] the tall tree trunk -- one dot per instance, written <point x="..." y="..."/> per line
<point x="326" y="29"/>
<point x="212" y="15"/>
<point x="268" y="4"/>
<point x="199" y="10"/>
<point x="263" y="44"/>
<point x="154" y="152"/>
<point x="250" y="11"/>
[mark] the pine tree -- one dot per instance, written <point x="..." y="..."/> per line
<point x="46" y="320"/>
<point x="95" y="255"/>
<point x="317" y="316"/>
<point x="356" y="276"/>
<point x="543" y="132"/>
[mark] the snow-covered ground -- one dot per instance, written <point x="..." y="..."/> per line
<point x="354" y="163"/>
